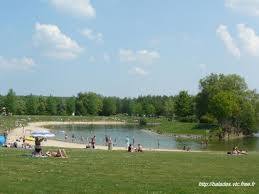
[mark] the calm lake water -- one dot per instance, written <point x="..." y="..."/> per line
<point x="148" y="139"/>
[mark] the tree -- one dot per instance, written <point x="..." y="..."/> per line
<point x="42" y="106"/>
<point x="109" y="106"/>
<point x="227" y="99"/>
<point x="127" y="106"/>
<point x="183" y="104"/>
<point x="246" y="120"/>
<point x="224" y="106"/>
<point x="70" y="106"/>
<point x="169" y="108"/>
<point x="10" y="102"/>
<point x="137" y="109"/>
<point x="61" y="106"/>
<point x="2" y="101"/>
<point x="51" y="106"/>
<point x="215" y="83"/>
<point x="32" y="105"/>
<point x="21" y="107"/>
<point x="93" y="103"/>
<point x="149" y="109"/>
<point x="88" y="104"/>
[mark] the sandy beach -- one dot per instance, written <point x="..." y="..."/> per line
<point x="26" y="131"/>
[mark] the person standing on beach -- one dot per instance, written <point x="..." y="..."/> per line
<point x="93" y="141"/>
<point x="73" y="137"/>
<point x="110" y="143"/>
<point x="106" y="140"/>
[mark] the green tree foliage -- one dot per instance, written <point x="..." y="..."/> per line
<point x="51" y="106"/>
<point x="70" y="106"/>
<point x="109" y="106"/>
<point x="2" y="102"/>
<point x="137" y="109"/>
<point x="42" y="106"/>
<point x="20" y="106"/>
<point x="61" y="106"/>
<point x="169" y="108"/>
<point x="227" y="99"/>
<point x="10" y="102"/>
<point x="32" y="105"/>
<point x="149" y="109"/>
<point x="215" y="83"/>
<point x="88" y="104"/>
<point x="184" y="104"/>
<point x="224" y="106"/>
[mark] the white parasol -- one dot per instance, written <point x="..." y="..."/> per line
<point x="42" y="133"/>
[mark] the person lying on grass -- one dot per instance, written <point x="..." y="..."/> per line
<point x="236" y="151"/>
<point x="61" y="153"/>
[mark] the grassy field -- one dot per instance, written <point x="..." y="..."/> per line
<point x="177" y="127"/>
<point x="87" y="171"/>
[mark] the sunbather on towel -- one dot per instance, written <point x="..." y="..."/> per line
<point x="61" y="153"/>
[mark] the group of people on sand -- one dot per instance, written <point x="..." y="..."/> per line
<point x="186" y="148"/>
<point x="131" y="148"/>
<point x="19" y="143"/>
<point x="237" y="151"/>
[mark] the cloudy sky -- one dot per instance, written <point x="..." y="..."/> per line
<point x="125" y="47"/>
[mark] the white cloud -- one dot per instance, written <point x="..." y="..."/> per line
<point x="147" y="57"/>
<point x="54" y="43"/>
<point x="127" y="55"/>
<point x="139" y="71"/>
<point x="91" y="35"/>
<point x="229" y="42"/>
<point x="24" y="63"/>
<point x="82" y="8"/>
<point x="249" y="39"/>
<point x="106" y="58"/>
<point x="249" y="7"/>
<point x="140" y="57"/>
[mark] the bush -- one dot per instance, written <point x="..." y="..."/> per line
<point x="189" y="119"/>
<point x="142" y="122"/>
<point x="207" y="118"/>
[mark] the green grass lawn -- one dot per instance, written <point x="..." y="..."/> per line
<point x="177" y="127"/>
<point x="87" y="171"/>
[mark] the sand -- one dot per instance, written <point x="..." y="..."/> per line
<point x="26" y="131"/>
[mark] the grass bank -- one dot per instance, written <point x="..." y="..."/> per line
<point x="87" y="171"/>
<point x="177" y="127"/>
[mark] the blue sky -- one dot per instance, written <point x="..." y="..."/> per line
<point x="125" y="48"/>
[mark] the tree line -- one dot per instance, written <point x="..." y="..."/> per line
<point x="224" y="100"/>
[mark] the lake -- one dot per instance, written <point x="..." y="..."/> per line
<point x="148" y="139"/>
